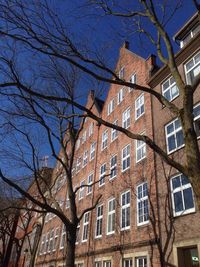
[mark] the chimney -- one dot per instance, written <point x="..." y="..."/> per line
<point x="151" y="60"/>
<point x="126" y="45"/>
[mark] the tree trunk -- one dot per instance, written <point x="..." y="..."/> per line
<point x="70" y="250"/>
<point x="35" y="244"/>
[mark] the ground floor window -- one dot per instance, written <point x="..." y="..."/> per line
<point x="188" y="257"/>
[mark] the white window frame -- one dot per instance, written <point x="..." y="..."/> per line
<point x="133" y="79"/>
<point x="126" y="118"/>
<point x="107" y="263"/>
<point x="191" y="69"/>
<point x="51" y="240"/>
<point x="197" y="121"/>
<point x="78" y="164"/>
<point x="82" y="190"/>
<point x="111" y="213"/>
<point x="92" y="151"/>
<point x="143" y="258"/>
<point x="181" y="189"/>
<point x="120" y="96"/>
<point x="126" y="157"/>
<point x="111" y="106"/>
<point x="67" y="205"/>
<point x="121" y="72"/>
<point x="91" y="129"/>
<point x="99" y="221"/>
<point x="86" y="220"/>
<point x="56" y="236"/>
<point x="169" y="89"/>
<point x="78" y="233"/>
<point x="140" y="149"/>
<point x="139" y="102"/>
<point x="102" y="174"/>
<point x="113" y="168"/>
<point x="104" y="142"/>
<point x="174" y="133"/>
<point x="84" y="137"/>
<point x="47" y="243"/>
<point x="62" y="237"/>
<point x="78" y="142"/>
<point x="130" y="262"/>
<point x="114" y="132"/>
<point x="85" y="158"/>
<point x="125" y="207"/>
<point x="142" y="198"/>
<point x="90" y="181"/>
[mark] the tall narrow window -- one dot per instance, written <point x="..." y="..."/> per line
<point x="90" y="181"/>
<point x="140" y="150"/>
<point x="121" y="73"/>
<point x="91" y="129"/>
<point x="174" y="135"/>
<point x="127" y="262"/>
<point x="63" y="237"/>
<point x="113" y="167"/>
<point x="107" y="264"/>
<point x="67" y="201"/>
<point x="182" y="195"/>
<point x="114" y="132"/>
<point x="56" y="236"/>
<point x="78" y="164"/>
<point x="126" y="118"/>
<point x="104" y="143"/>
<point x="84" y="137"/>
<point x="126" y="158"/>
<point x="102" y="174"/>
<point x="139" y="106"/>
<point x="111" y="106"/>
<point x="78" y="233"/>
<point x="142" y="204"/>
<point x="132" y="80"/>
<point x="82" y="189"/>
<point x="92" y="151"/>
<point x="125" y="210"/>
<point x="111" y="217"/>
<point x="51" y="240"/>
<point x="85" y="158"/>
<point x="99" y="221"/>
<point x="85" y="226"/>
<point x="120" y="95"/>
<point x="47" y="243"/>
<point x="196" y="112"/>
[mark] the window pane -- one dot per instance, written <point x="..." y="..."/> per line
<point x="176" y="182"/>
<point x="188" y="199"/>
<point x="179" y="137"/>
<point x="178" y="201"/>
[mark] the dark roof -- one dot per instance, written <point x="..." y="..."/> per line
<point x="99" y="103"/>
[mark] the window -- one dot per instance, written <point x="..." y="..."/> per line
<point x="114" y="133"/>
<point x="121" y="73"/>
<point x="85" y="226"/>
<point x="120" y="96"/>
<point x="126" y="158"/>
<point x="107" y="264"/>
<point x="90" y="181"/>
<point x="47" y="243"/>
<point x="102" y="174"/>
<point x="196" y="112"/>
<point x="51" y="240"/>
<point x="139" y="106"/>
<point x="92" y="150"/>
<point x="141" y="262"/>
<point x="56" y="236"/>
<point x="127" y="262"/>
<point x="42" y="246"/>
<point x="142" y="204"/>
<point x="182" y="195"/>
<point x="126" y="118"/>
<point x="187" y="38"/>
<point x="63" y="237"/>
<point x="85" y="158"/>
<point x="79" y="264"/>
<point x="78" y="164"/>
<point x="78" y="233"/>
<point x="132" y="80"/>
<point x="99" y="221"/>
<point x="170" y="89"/>
<point x="140" y="150"/>
<point x="113" y="167"/>
<point x="174" y="135"/>
<point x="91" y="129"/>
<point x="125" y="210"/>
<point x="111" y="217"/>
<point x="82" y="189"/>
<point x="97" y="264"/>
<point x="192" y="69"/>
<point x="111" y="106"/>
<point x="104" y="143"/>
<point x="84" y="137"/>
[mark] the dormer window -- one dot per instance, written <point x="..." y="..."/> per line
<point x="192" y="69"/>
<point x="186" y="39"/>
<point x="121" y="73"/>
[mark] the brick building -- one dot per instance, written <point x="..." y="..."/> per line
<point x="146" y="208"/>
